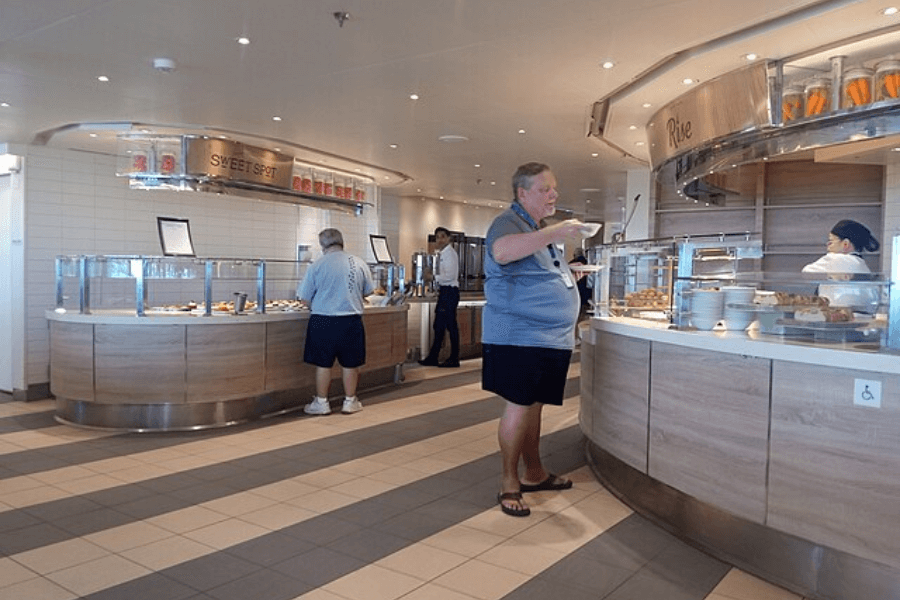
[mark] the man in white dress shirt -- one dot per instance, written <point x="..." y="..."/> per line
<point x="447" y="277"/>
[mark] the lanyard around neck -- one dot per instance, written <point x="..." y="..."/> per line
<point x="517" y="208"/>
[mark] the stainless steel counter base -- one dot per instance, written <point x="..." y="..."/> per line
<point x="195" y="416"/>
<point x="797" y="564"/>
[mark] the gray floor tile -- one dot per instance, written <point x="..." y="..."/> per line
<point x="369" y="545"/>
<point x="319" y="567"/>
<point x="321" y="530"/>
<point x="262" y="585"/>
<point x="587" y="575"/>
<point x="208" y="572"/>
<point x="271" y="549"/>
<point x="152" y="587"/>
<point x="542" y="589"/>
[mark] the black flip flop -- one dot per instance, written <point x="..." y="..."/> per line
<point x="552" y="483"/>
<point x="513" y="512"/>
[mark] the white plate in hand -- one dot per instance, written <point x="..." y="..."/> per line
<point x="590" y="229"/>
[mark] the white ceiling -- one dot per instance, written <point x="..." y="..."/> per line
<point x="483" y="69"/>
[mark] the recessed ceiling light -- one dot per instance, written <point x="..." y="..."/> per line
<point x="4" y="104"/>
<point x="386" y="177"/>
<point x="493" y="183"/>
<point x="393" y="146"/>
<point x="895" y="149"/>
<point x="521" y="132"/>
<point x="92" y="135"/>
<point x="608" y="64"/>
<point x="890" y="11"/>
<point x="477" y="166"/>
<point x="276" y="118"/>
<point x="595" y="154"/>
<point x="413" y="96"/>
<point x="751" y="56"/>
<point x="632" y="127"/>
<point x="358" y="170"/>
<point x="441" y="197"/>
<point x="451" y="138"/>
<point x="103" y="78"/>
<point x="687" y="81"/>
<point x="243" y="41"/>
<point x="646" y="105"/>
<point x="639" y="143"/>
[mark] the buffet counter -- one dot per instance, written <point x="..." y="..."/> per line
<point x="754" y="448"/>
<point x="168" y="371"/>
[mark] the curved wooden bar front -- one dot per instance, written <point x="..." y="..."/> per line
<point x="752" y="448"/>
<point x="175" y="371"/>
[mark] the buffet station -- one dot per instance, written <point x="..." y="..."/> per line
<point x="162" y="343"/>
<point x="755" y="412"/>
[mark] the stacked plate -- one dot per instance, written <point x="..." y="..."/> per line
<point x="737" y="319"/>
<point x="707" y="308"/>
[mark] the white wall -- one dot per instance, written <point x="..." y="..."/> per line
<point x="891" y="213"/>
<point x="12" y="330"/>
<point x="75" y="204"/>
<point x="407" y="222"/>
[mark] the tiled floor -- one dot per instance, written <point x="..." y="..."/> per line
<point x="397" y="501"/>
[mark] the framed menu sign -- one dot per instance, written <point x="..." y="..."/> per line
<point x="175" y="236"/>
<point x="380" y="249"/>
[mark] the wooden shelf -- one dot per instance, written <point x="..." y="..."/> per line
<point x="821" y="206"/>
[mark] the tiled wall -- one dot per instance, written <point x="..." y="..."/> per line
<point x="76" y="205"/>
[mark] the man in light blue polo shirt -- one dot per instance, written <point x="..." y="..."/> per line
<point x="528" y="327"/>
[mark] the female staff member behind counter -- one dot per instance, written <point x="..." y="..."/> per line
<point x="843" y="260"/>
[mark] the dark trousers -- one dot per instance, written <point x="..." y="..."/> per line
<point x="445" y="320"/>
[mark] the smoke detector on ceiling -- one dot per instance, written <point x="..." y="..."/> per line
<point x="164" y="65"/>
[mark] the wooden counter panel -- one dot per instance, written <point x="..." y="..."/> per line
<point x="621" y="375"/>
<point x="464" y="320"/>
<point x="139" y="365"/>
<point x="834" y="474"/>
<point x="586" y="405"/>
<point x="709" y="419"/>
<point x="285" y="369"/>
<point x="72" y="360"/>
<point x="225" y="362"/>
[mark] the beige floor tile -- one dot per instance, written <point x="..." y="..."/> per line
<point x="278" y="516"/>
<point x="35" y="495"/>
<point x="482" y="580"/>
<point x="422" y="561"/>
<point x="108" y="465"/>
<point x="496" y="522"/>
<point x="324" y="478"/>
<point x="18" y="484"/>
<point x="431" y="591"/>
<point x="373" y="583"/>
<point x="59" y="556"/>
<point x="739" y="585"/>
<point x="396" y="476"/>
<point x="563" y="532"/>
<point x="464" y="540"/>
<point x="226" y="533"/>
<point x="320" y="594"/>
<point x="430" y="466"/>
<point x="140" y="473"/>
<point x="239" y="504"/>
<point x="523" y="557"/>
<point x="167" y="553"/>
<point x="362" y="488"/>
<point x="282" y="491"/>
<point x="12" y="572"/>
<point x="97" y="575"/>
<point x="55" y="476"/>
<point x="187" y="519"/>
<point x="132" y="535"/>
<point x="323" y="501"/>
<point x="86" y="485"/>
<point x="37" y="589"/>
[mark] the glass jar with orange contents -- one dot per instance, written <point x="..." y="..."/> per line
<point x="817" y="99"/>
<point x="887" y="80"/>
<point x="791" y="103"/>
<point x="857" y="88"/>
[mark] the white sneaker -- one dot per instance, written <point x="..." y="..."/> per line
<point x="351" y="405"/>
<point x="319" y="406"/>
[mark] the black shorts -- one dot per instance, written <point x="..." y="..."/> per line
<point x="342" y="338"/>
<point x="525" y="375"/>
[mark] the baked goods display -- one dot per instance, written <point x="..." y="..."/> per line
<point x="647" y="298"/>
<point x="228" y="306"/>
<point x="823" y="314"/>
<point x="787" y="299"/>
